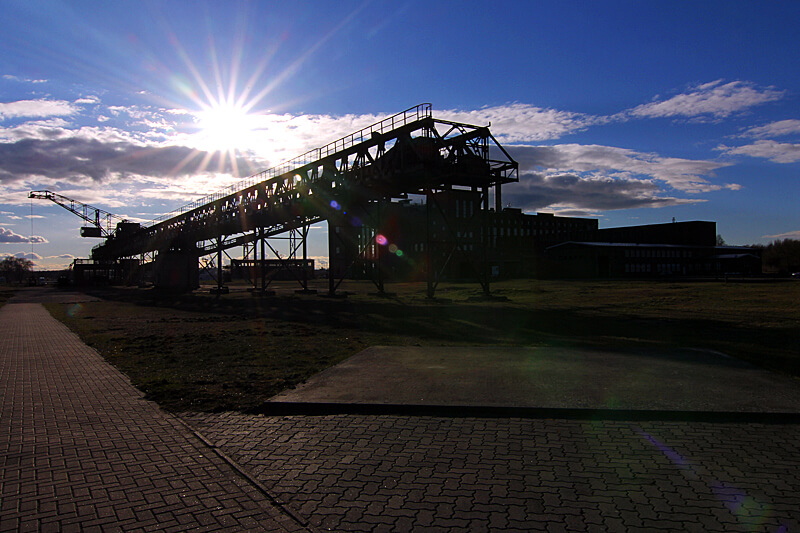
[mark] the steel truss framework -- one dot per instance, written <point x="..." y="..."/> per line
<point x="102" y="220"/>
<point x="408" y="153"/>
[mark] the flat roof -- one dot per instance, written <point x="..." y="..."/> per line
<point x="647" y="245"/>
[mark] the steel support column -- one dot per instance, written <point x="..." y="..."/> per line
<point x="220" y="250"/>
<point x="431" y="274"/>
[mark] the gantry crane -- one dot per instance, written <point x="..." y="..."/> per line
<point x="103" y="222"/>
<point x="349" y="182"/>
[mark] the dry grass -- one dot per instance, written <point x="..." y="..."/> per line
<point x="199" y="352"/>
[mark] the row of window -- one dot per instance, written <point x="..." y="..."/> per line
<point x="669" y="268"/>
<point x="657" y="253"/>
<point x="464" y="208"/>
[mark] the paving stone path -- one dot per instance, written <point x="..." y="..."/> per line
<point x="401" y="473"/>
<point x="81" y="450"/>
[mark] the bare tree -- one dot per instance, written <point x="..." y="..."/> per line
<point x="15" y="268"/>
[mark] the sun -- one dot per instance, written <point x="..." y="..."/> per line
<point x="225" y="127"/>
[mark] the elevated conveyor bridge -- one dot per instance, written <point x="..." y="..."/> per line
<point x="410" y="153"/>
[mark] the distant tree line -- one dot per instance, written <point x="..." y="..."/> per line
<point x="781" y="256"/>
<point x="15" y="268"/>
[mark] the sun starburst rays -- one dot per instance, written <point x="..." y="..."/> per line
<point x="225" y="98"/>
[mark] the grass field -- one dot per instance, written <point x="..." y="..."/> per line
<point x="200" y="352"/>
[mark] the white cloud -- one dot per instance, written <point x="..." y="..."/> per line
<point x="28" y="255"/>
<point x="11" y="77"/>
<point x="91" y="99"/>
<point x="788" y="235"/>
<point x="773" y="150"/>
<point x="713" y="99"/>
<point x="686" y="175"/>
<point x="36" y="108"/>
<point x="775" y="129"/>
<point x="186" y="188"/>
<point x="8" y="236"/>
<point x="582" y="180"/>
<point x="161" y="156"/>
<point x="36" y="129"/>
<point x="524" y="123"/>
<point x="280" y="137"/>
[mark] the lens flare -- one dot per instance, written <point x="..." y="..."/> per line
<point x="380" y="239"/>
<point x="749" y="511"/>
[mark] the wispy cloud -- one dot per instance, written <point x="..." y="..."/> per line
<point x="36" y="108"/>
<point x="773" y="150"/>
<point x="32" y="256"/>
<point x="775" y="129"/>
<point x="158" y="153"/>
<point x="88" y="100"/>
<point x="11" y="77"/>
<point x="787" y="235"/>
<point x="8" y="236"/>
<point x="524" y="123"/>
<point x="686" y="175"/>
<point x="714" y="100"/>
<point x="579" y="179"/>
<point x="581" y="195"/>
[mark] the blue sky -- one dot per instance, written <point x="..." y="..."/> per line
<point x="630" y="112"/>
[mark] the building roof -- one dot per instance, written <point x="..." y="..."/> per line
<point x="737" y="256"/>
<point x="744" y="249"/>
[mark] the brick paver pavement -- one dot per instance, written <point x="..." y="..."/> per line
<point x="81" y="450"/>
<point x="405" y="473"/>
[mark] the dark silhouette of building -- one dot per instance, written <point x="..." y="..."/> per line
<point x="646" y="260"/>
<point x="653" y="250"/>
<point x="411" y="236"/>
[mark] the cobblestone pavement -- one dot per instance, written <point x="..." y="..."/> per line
<point x="403" y="473"/>
<point x="80" y="450"/>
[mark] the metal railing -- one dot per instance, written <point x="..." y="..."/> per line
<point x="411" y="114"/>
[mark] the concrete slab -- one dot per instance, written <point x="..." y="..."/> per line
<point x="551" y="377"/>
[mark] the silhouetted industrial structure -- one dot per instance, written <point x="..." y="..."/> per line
<point x="103" y="223"/>
<point x="647" y="251"/>
<point x="348" y="183"/>
<point x="546" y="246"/>
<point x="407" y="198"/>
